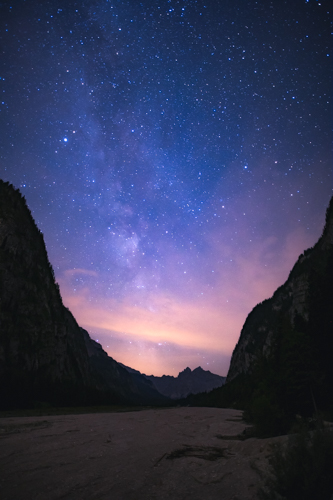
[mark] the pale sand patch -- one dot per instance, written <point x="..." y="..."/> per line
<point x="126" y="456"/>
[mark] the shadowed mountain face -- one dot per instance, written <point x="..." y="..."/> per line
<point x="285" y="350"/>
<point x="44" y="354"/>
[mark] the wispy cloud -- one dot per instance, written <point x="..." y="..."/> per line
<point x="80" y="271"/>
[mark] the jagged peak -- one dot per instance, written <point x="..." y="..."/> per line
<point x="186" y="370"/>
<point x="199" y="369"/>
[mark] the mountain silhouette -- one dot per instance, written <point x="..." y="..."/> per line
<point x="44" y="355"/>
<point x="282" y="363"/>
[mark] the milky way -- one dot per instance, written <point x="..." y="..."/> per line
<point x="175" y="154"/>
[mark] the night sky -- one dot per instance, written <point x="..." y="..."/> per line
<point x="176" y="156"/>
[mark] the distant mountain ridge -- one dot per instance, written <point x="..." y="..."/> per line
<point x="44" y="355"/>
<point x="187" y="382"/>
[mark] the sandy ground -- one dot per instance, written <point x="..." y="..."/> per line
<point x="174" y="454"/>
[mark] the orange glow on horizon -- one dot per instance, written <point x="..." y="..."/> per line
<point x="184" y="324"/>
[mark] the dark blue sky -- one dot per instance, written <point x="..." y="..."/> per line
<point x="176" y="156"/>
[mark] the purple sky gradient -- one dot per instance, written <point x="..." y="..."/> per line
<point x="176" y="156"/>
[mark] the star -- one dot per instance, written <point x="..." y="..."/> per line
<point x="150" y="138"/>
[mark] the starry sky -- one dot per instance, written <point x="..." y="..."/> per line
<point x="176" y="155"/>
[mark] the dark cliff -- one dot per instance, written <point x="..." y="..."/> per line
<point x="44" y="354"/>
<point x="285" y="349"/>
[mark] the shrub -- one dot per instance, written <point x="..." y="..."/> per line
<point x="267" y="417"/>
<point x="302" y="469"/>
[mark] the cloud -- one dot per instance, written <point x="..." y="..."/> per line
<point x="85" y="272"/>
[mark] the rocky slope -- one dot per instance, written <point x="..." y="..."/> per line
<point x="286" y="343"/>
<point x="44" y="354"/>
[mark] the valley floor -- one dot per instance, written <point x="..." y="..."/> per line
<point x="164" y="454"/>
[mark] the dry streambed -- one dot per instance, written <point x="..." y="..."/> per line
<point x="179" y="453"/>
